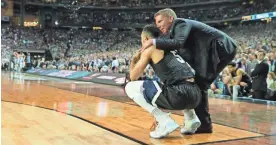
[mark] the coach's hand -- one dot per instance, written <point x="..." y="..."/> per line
<point x="147" y="44"/>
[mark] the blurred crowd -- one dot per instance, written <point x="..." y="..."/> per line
<point x="111" y="51"/>
<point x="243" y="77"/>
<point x="136" y="17"/>
<point x="254" y="40"/>
<point x="121" y="3"/>
<point x="74" y="49"/>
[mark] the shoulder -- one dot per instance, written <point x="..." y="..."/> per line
<point x="180" y="25"/>
<point x="180" y="22"/>
<point x="240" y="71"/>
<point x="264" y="64"/>
<point x="148" y="52"/>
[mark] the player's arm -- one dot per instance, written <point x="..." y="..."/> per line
<point x="239" y="77"/>
<point x="138" y="65"/>
<point x="180" y="32"/>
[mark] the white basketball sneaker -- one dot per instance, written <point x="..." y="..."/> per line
<point x="190" y="126"/>
<point x="164" y="128"/>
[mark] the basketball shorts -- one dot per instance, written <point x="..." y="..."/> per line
<point x="185" y="95"/>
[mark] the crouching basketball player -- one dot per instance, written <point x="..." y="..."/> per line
<point x="176" y="91"/>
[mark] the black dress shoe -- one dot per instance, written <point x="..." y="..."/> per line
<point x="205" y="129"/>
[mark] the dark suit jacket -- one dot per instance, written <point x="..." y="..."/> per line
<point x="250" y="66"/>
<point x="259" y="76"/>
<point x="198" y="45"/>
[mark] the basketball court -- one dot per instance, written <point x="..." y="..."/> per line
<point x="42" y="110"/>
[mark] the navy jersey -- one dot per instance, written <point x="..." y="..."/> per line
<point x="245" y="77"/>
<point x="172" y="68"/>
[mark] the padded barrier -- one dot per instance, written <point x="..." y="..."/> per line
<point x="115" y="79"/>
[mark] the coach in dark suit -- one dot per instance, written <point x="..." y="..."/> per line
<point x="259" y="76"/>
<point x="205" y="48"/>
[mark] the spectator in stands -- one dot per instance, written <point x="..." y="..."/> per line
<point x="151" y="75"/>
<point x="251" y="64"/>
<point x="241" y="81"/>
<point x="226" y="79"/>
<point x="273" y="63"/>
<point x="259" y="76"/>
<point x="242" y="64"/>
<point x="28" y="61"/>
<point x="217" y="86"/>
<point x="115" y="64"/>
<point x="271" y="80"/>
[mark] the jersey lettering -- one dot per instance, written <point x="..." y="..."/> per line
<point x="178" y="58"/>
<point x="181" y="60"/>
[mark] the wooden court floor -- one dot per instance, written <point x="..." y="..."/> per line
<point x="42" y="111"/>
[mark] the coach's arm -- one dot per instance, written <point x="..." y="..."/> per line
<point x="180" y="32"/>
<point x="139" y="63"/>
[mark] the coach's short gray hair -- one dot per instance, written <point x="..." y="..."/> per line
<point x="166" y="12"/>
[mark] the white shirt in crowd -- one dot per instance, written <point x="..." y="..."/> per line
<point x="115" y="63"/>
<point x="96" y="62"/>
<point x="99" y="63"/>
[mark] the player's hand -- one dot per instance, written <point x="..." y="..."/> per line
<point x="153" y="126"/>
<point x="147" y="44"/>
<point x="243" y="84"/>
<point x="137" y="54"/>
<point x="136" y="57"/>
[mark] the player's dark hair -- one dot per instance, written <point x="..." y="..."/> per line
<point x="152" y="30"/>
<point x="233" y="64"/>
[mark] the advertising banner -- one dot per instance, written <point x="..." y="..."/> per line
<point x="106" y="78"/>
<point x="68" y="74"/>
<point x="60" y="73"/>
<point x="259" y="16"/>
<point x="39" y="71"/>
<point x="102" y="78"/>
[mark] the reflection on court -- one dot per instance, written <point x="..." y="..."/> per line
<point x="108" y="108"/>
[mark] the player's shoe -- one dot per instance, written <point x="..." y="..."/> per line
<point x="164" y="128"/>
<point x="190" y="126"/>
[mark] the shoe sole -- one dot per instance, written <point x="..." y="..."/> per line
<point x="171" y="129"/>
<point x="194" y="127"/>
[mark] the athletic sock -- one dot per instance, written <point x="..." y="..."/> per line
<point x="159" y="115"/>
<point x="189" y="114"/>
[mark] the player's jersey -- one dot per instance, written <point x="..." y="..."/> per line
<point x="172" y="68"/>
<point x="245" y="77"/>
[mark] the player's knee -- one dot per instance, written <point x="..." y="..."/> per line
<point x="133" y="88"/>
<point x="128" y="88"/>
